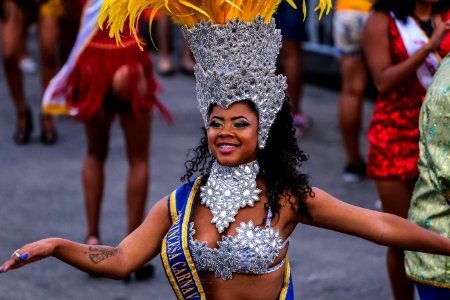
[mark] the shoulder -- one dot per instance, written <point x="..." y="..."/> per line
<point x="188" y="186"/>
<point x="181" y="193"/>
<point x="377" y="19"/>
<point x="290" y="205"/>
<point x="317" y="193"/>
<point x="318" y="203"/>
<point x="437" y="101"/>
<point x="376" y="31"/>
<point x="441" y="80"/>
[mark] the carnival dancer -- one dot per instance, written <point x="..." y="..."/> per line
<point x="99" y="82"/>
<point x="225" y="234"/>
<point x="401" y="45"/>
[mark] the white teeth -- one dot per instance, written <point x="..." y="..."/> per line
<point x="226" y="146"/>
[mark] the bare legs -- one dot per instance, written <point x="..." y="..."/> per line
<point x="354" y="81"/>
<point x="137" y="139"/>
<point x="137" y="135"/>
<point x="93" y="177"/>
<point x="49" y="33"/>
<point x="291" y="52"/>
<point x="187" y="60"/>
<point x="14" y="35"/>
<point x="396" y="197"/>
<point x="165" y="65"/>
<point x="14" y="32"/>
<point x="291" y="55"/>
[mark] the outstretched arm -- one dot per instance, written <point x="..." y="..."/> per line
<point x="381" y="228"/>
<point x="114" y="262"/>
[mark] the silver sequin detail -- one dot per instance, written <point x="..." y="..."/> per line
<point x="251" y="251"/>
<point x="235" y="62"/>
<point x="228" y="189"/>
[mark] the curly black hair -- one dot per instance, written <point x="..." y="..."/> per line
<point x="279" y="163"/>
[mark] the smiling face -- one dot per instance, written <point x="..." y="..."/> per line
<point x="233" y="134"/>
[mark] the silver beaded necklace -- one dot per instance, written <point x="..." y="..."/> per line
<point x="228" y="189"/>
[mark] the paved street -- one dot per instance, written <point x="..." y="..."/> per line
<point x="41" y="196"/>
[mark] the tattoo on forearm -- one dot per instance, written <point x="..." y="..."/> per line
<point x="98" y="254"/>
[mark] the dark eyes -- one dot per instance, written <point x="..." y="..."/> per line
<point x="240" y="125"/>
<point x="217" y="124"/>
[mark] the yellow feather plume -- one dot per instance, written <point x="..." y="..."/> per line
<point x="190" y="12"/>
<point x="322" y="6"/>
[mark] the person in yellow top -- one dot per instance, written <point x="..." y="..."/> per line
<point x="354" y="5"/>
<point x="348" y="22"/>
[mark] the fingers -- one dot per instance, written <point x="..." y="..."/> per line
<point x="18" y="259"/>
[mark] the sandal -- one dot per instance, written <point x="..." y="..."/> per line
<point x="24" y="127"/>
<point x="49" y="135"/>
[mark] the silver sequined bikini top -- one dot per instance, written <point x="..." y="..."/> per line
<point x="251" y="251"/>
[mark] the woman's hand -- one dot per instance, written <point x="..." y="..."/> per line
<point x="29" y="253"/>
<point x="113" y="262"/>
<point x="441" y="29"/>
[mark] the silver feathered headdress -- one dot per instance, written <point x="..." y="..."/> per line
<point x="236" y="62"/>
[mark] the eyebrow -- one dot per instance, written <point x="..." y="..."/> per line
<point x="232" y="119"/>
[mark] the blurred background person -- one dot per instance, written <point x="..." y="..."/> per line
<point x="165" y="43"/>
<point x="290" y="22"/>
<point x="401" y="45"/>
<point x="348" y="22"/>
<point x="99" y="82"/>
<point x="17" y="15"/>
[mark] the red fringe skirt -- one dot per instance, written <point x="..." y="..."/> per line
<point x="89" y="84"/>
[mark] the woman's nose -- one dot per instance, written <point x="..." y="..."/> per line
<point x="226" y="130"/>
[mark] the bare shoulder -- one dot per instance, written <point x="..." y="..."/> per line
<point x="158" y="214"/>
<point x="376" y="21"/>
<point x="161" y="207"/>
<point x="317" y="193"/>
<point x="319" y="204"/>
<point x="289" y="206"/>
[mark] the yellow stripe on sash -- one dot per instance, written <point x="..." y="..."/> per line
<point x="173" y="206"/>
<point x="185" y="234"/>
<point x="286" y="281"/>
<point x="172" y="279"/>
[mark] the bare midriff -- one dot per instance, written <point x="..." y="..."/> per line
<point x="244" y="287"/>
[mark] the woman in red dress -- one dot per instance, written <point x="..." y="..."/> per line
<point x="402" y="45"/>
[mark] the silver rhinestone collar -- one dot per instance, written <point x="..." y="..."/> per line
<point x="228" y="189"/>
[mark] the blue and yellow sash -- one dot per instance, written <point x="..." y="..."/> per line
<point x="175" y="254"/>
